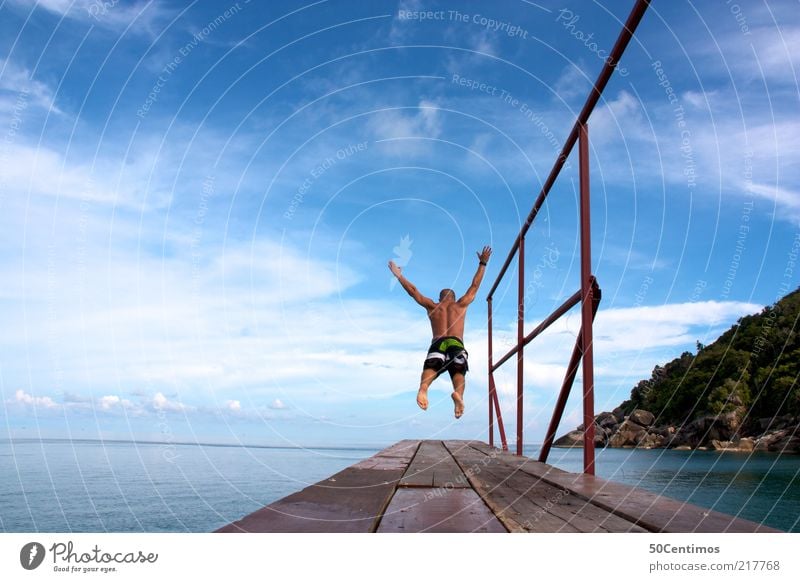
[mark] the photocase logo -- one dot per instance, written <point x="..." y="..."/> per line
<point x="31" y="555"/>
<point x="402" y="255"/>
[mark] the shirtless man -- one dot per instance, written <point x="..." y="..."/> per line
<point x="447" y="324"/>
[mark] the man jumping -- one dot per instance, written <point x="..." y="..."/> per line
<point x="447" y="350"/>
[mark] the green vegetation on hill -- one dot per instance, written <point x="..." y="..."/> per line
<point x="751" y="370"/>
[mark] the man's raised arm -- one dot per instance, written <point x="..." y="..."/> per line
<point x="426" y="302"/>
<point x="483" y="258"/>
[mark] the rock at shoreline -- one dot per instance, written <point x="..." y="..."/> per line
<point x="721" y="432"/>
<point x="642" y="417"/>
<point x="571" y="439"/>
<point x="628" y="433"/>
<point x="789" y="444"/>
<point x="606" y="420"/>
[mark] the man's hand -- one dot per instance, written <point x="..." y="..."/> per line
<point x="484" y="255"/>
<point x="395" y="269"/>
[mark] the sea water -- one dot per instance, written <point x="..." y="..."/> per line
<point x="92" y="486"/>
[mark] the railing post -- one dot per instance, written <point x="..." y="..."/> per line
<point x="520" y="338"/>
<point x="569" y="379"/>
<point x="489" y="382"/>
<point x="586" y="304"/>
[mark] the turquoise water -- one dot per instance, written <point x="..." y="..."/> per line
<point x="762" y="487"/>
<point x="88" y="486"/>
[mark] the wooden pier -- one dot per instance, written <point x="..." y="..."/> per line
<point x="468" y="486"/>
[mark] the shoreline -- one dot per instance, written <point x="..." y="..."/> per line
<point x="721" y="433"/>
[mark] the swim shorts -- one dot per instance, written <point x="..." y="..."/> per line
<point x="447" y="353"/>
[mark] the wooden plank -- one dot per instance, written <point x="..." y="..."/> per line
<point x="484" y="447"/>
<point x="544" y="498"/>
<point x="396" y="456"/>
<point x="350" y="501"/>
<point x="649" y="510"/>
<point x="405" y="449"/>
<point x="578" y="513"/>
<point x="433" y="466"/>
<point x="420" y="509"/>
<point x="652" y="511"/>
<point x="518" y="512"/>
<point x="523" y="494"/>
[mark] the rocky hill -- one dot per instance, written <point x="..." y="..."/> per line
<point x="739" y="393"/>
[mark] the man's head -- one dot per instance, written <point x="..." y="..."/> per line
<point x="447" y="294"/>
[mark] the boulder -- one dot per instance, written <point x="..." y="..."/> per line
<point x="600" y="438"/>
<point x="745" y="444"/>
<point x="606" y="419"/>
<point x="788" y="444"/>
<point x="761" y="445"/>
<point x="664" y="431"/>
<point x="572" y="439"/>
<point x="698" y="425"/>
<point x="722" y="445"/>
<point x="766" y="424"/>
<point x="730" y="421"/>
<point x="628" y="434"/>
<point x="775" y="436"/>
<point x="683" y="438"/>
<point x="652" y="441"/>
<point x="642" y="417"/>
<point x="721" y="427"/>
<point x="618" y="414"/>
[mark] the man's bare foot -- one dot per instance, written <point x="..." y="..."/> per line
<point x="422" y="398"/>
<point x="459" y="404"/>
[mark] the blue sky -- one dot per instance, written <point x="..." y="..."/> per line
<point x="198" y="202"/>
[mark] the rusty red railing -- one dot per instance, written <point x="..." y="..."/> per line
<point x="589" y="293"/>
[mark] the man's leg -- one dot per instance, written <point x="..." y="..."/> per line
<point x="428" y="376"/>
<point x="458" y="393"/>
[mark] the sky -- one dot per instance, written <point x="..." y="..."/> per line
<point x="198" y="202"/>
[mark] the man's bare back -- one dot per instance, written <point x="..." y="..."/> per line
<point x="447" y="319"/>
<point x="447" y="323"/>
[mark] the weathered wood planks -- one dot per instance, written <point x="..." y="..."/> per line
<point x="526" y="503"/>
<point x="468" y="486"/>
<point x="352" y="500"/>
<point x="651" y="511"/>
<point x="433" y="466"/>
<point x="436" y="509"/>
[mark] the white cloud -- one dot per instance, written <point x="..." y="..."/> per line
<point x="396" y="128"/>
<point x="620" y="119"/>
<point x="646" y="327"/>
<point x="770" y="53"/>
<point x="277" y="404"/>
<point x="573" y="82"/>
<point x="113" y="402"/>
<point x="402" y="28"/>
<point x="143" y="181"/>
<point x="786" y="202"/>
<point x="109" y="402"/>
<point x="17" y="88"/>
<point x="23" y="397"/>
<point x="233" y="405"/>
<point x="698" y="100"/>
<point x="628" y="342"/>
<point x="140" y="16"/>
<point x="161" y="402"/>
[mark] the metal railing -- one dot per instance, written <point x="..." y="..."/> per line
<point x="589" y="293"/>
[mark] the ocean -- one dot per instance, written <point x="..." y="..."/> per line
<point x="117" y="486"/>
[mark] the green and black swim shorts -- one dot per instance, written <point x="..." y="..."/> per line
<point x="447" y="353"/>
